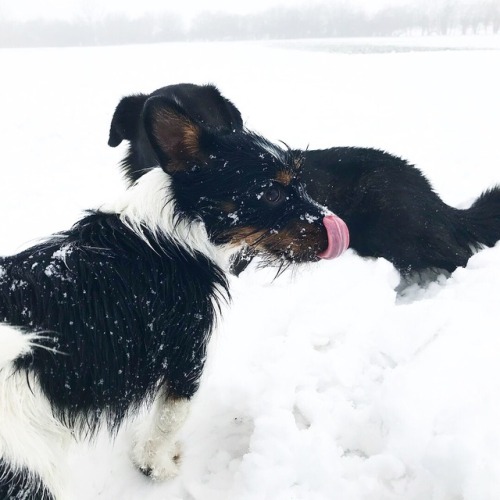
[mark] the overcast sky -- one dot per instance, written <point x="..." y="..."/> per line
<point x="69" y="9"/>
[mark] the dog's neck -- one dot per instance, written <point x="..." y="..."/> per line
<point x="149" y="205"/>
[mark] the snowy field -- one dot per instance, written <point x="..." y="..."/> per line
<point x="327" y="384"/>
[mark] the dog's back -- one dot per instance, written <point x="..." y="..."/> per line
<point x="393" y="212"/>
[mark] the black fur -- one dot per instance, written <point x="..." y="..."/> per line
<point x="21" y="484"/>
<point x="204" y="104"/>
<point x="113" y="308"/>
<point x="393" y="212"/>
<point x="226" y="183"/>
<point x="388" y="204"/>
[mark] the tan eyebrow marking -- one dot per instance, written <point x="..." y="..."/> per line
<point x="285" y="177"/>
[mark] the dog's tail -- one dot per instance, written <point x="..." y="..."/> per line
<point x="453" y="235"/>
<point x="482" y="219"/>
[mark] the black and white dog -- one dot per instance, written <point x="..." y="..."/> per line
<point x="389" y="206"/>
<point x="117" y="311"/>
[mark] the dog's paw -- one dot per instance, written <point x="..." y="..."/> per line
<point x="156" y="461"/>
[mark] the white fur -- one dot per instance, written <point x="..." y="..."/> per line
<point x="30" y="436"/>
<point x="149" y="203"/>
<point x="156" y="449"/>
<point x="13" y="344"/>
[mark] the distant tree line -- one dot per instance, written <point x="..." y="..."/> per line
<point x="318" y="21"/>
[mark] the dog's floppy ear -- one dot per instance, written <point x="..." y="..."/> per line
<point x="174" y="136"/>
<point x="126" y="119"/>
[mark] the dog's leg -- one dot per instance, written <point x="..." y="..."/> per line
<point x="33" y="443"/>
<point x="156" y="451"/>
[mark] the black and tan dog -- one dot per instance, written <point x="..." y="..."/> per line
<point x="389" y="206"/>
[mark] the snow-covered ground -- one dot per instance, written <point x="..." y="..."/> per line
<point x="325" y="384"/>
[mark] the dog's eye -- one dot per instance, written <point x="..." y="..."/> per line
<point x="274" y="195"/>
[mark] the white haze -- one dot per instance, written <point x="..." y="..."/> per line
<point x="23" y="10"/>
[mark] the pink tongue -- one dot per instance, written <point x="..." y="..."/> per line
<point x="338" y="237"/>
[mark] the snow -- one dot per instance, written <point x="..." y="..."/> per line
<point x="332" y="382"/>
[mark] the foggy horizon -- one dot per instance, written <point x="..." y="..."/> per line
<point x="72" y="10"/>
<point x="93" y="23"/>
